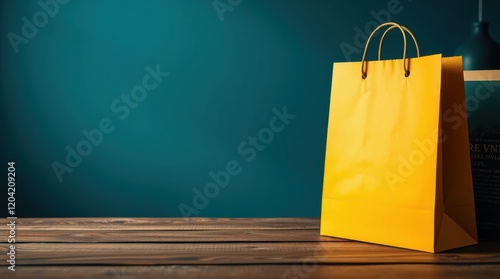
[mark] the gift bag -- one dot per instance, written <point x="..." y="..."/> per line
<point x="397" y="170"/>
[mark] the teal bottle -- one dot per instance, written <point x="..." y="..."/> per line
<point x="480" y="51"/>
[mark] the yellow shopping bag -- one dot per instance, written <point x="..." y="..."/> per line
<point x="396" y="172"/>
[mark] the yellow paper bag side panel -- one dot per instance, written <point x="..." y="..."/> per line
<point x="457" y="176"/>
<point x="451" y="234"/>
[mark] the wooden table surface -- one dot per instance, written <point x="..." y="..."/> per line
<point x="286" y="248"/>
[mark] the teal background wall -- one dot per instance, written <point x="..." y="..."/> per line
<point x="225" y="78"/>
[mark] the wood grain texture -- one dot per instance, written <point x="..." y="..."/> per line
<point x="237" y="253"/>
<point x="113" y="236"/>
<point x="385" y="271"/>
<point x="155" y="224"/>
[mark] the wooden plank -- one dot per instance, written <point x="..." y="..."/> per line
<point x="482" y="75"/>
<point x="238" y="253"/>
<point x="156" y="224"/>
<point x="256" y="271"/>
<point x="112" y="236"/>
